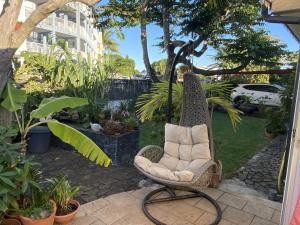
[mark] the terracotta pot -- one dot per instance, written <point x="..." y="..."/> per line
<point x="11" y="222"/>
<point x="47" y="221"/>
<point x="67" y="218"/>
<point x="270" y="136"/>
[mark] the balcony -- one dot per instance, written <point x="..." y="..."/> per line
<point x="82" y="7"/>
<point x="32" y="46"/>
<point x="65" y="26"/>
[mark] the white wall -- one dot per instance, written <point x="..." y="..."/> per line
<point x="292" y="188"/>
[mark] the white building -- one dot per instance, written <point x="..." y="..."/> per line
<point x="73" y="23"/>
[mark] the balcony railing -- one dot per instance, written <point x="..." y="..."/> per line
<point x="32" y="46"/>
<point x="37" y="47"/>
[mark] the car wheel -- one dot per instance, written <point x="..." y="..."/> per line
<point x="239" y="101"/>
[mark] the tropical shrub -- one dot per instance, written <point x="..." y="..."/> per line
<point x="217" y="94"/>
<point x="279" y="117"/>
<point x="13" y="101"/>
<point x="62" y="192"/>
<point x="16" y="173"/>
<point x="61" y="73"/>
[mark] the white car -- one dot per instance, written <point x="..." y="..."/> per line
<point x="266" y="94"/>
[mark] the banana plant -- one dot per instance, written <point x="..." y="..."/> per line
<point x="157" y="99"/>
<point x="13" y="101"/>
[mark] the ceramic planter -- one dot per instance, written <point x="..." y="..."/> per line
<point x="67" y="218"/>
<point x="10" y="222"/>
<point x="47" y="221"/>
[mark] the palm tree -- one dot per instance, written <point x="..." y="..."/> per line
<point x="108" y="42"/>
<point x="218" y="94"/>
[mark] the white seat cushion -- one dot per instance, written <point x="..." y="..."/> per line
<point x="186" y="150"/>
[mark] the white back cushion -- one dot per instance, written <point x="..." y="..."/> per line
<point x="183" y="145"/>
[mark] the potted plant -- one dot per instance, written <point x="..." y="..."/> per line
<point x="62" y="193"/>
<point x="15" y="177"/>
<point x="13" y="101"/>
<point x="37" y="208"/>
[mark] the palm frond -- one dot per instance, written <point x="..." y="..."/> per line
<point x="232" y="112"/>
<point x="218" y="94"/>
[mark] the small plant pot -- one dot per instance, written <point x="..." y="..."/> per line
<point x="47" y="221"/>
<point x="67" y="218"/>
<point x="269" y="136"/>
<point x="11" y="222"/>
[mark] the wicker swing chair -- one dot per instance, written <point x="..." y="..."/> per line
<point x="187" y="160"/>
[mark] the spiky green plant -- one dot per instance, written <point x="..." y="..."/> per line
<point x="61" y="191"/>
<point x="217" y="94"/>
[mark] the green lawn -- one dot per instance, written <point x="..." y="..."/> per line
<point x="232" y="148"/>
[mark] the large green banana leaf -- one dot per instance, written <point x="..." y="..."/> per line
<point x="52" y="105"/>
<point x="13" y="98"/>
<point x="79" y="141"/>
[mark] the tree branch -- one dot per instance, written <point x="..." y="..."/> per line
<point x="40" y="13"/>
<point x="214" y="72"/>
<point x="202" y="51"/>
<point x="8" y="20"/>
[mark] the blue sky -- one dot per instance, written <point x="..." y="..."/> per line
<point x="131" y="46"/>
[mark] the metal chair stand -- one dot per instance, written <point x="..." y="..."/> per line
<point x="150" y="199"/>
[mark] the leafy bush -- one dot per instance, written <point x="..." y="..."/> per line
<point x="16" y="173"/>
<point x="278" y="118"/>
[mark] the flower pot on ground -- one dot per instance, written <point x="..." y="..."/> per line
<point x="39" y="138"/>
<point x="272" y="130"/>
<point x="73" y="207"/>
<point x="269" y="135"/>
<point x="62" y="193"/>
<point x="11" y="222"/>
<point x="40" y="216"/>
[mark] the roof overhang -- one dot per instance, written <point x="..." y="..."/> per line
<point x="285" y="11"/>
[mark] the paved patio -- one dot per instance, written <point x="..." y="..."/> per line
<point x="125" y="209"/>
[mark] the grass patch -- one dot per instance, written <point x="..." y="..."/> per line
<point x="233" y="148"/>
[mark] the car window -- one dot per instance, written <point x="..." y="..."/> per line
<point x="272" y="89"/>
<point x="264" y="88"/>
<point x="253" y="87"/>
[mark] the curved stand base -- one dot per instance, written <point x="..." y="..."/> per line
<point x="194" y="194"/>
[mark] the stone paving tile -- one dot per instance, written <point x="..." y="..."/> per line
<point x="237" y="216"/>
<point x="212" y="192"/>
<point x="276" y="217"/>
<point x="98" y="222"/>
<point x="208" y="218"/>
<point x="232" y="200"/>
<point x="204" y="204"/>
<point x="95" y="205"/>
<point x="84" y="220"/>
<point x="260" y="210"/>
<point x="140" y="193"/>
<point x="133" y="219"/>
<point x="167" y="217"/>
<point x="187" y="212"/>
<point x="113" y="213"/>
<point x="260" y="221"/>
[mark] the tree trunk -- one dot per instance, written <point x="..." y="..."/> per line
<point x="167" y="40"/>
<point x="147" y="63"/>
